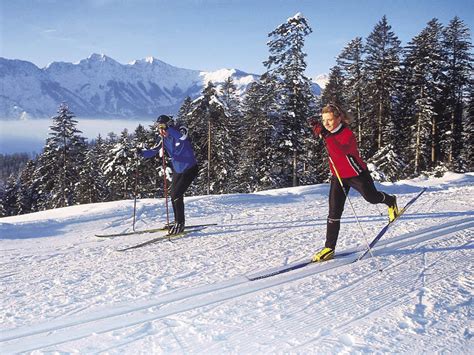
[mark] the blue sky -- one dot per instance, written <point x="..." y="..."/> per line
<point x="203" y="34"/>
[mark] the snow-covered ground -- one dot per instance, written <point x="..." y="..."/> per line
<point x="63" y="290"/>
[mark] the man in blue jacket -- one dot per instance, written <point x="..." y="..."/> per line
<point x="184" y="165"/>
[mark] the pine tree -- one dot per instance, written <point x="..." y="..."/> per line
<point x="11" y="164"/>
<point x="467" y="151"/>
<point x="350" y="62"/>
<point x="231" y="132"/>
<point x="119" y="168"/>
<point x="381" y="69"/>
<point x="204" y="125"/>
<point x="230" y="100"/>
<point x="184" y="111"/>
<point x="315" y="160"/>
<point x="9" y="198"/>
<point x="27" y="194"/>
<point x="287" y="62"/>
<point x="333" y="92"/>
<point x="387" y="165"/>
<point x="150" y="171"/>
<point x="423" y="73"/>
<point x="457" y="44"/>
<point x="258" y="152"/>
<point x="58" y="169"/>
<point x="92" y="187"/>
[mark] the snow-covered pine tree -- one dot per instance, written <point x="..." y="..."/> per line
<point x="211" y="142"/>
<point x="382" y="70"/>
<point x="9" y="197"/>
<point x="27" y="194"/>
<point x="258" y="151"/>
<point x="198" y="123"/>
<point x="467" y="152"/>
<point x="315" y="161"/>
<point x="232" y="130"/>
<point x="184" y="110"/>
<point x="230" y="100"/>
<point x="3" y="212"/>
<point x="333" y="93"/>
<point x="11" y="163"/>
<point x="111" y="139"/>
<point x="387" y="165"/>
<point x="78" y="158"/>
<point x="46" y="174"/>
<point x="350" y="62"/>
<point x="58" y="169"/>
<point x="423" y="75"/>
<point x="457" y="43"/>
<point x="150" y="171"/>
<point x="92" y="187"/>
<point x="119" y="168"/>
<point x="287" y="62"/>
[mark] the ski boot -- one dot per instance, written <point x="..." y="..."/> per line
<point x="177" y="228"/>
<point x="393" y="211"/>
<point x="324" y="255"/>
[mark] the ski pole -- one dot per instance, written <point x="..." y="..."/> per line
<point x="164" y="180"/>
<point x="352" y="207"/>
<point x="135" y="192"/>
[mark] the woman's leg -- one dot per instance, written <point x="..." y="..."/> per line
<point x="337" y="198"/>
<point x="364" y="184"/>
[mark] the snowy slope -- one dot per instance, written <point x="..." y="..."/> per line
<point x="65" y="290"/>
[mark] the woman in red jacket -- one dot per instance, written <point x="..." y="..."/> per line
<point x="348" y="170"/>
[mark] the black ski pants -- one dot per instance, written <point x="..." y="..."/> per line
<point x="179" y="185"/>
<point x="364" y="184"/>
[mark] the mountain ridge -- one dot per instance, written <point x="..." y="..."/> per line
<point x="101" y="87"/>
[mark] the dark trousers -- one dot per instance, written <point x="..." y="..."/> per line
<point x="179" y="185"/>
<point x="364" y="184"/>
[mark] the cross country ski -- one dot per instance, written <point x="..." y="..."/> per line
<point x="389" y="224"/>
<point x="152" y="230"/>
<point x="165" y="237"/>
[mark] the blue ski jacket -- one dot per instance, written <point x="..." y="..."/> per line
<point x="178" y="148"/>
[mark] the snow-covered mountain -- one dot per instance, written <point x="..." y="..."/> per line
<point x="321" y="80"/>
<point x="100" y="87"/>
<point x="66" y="291"/>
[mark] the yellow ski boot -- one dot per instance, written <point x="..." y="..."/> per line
<point x="393" y="211"/>
<point x="324" y="255"/>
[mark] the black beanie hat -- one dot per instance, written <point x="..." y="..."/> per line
<point x="163" y="119"/>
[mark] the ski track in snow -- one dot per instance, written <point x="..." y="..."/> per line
<point x="65" y="290"/>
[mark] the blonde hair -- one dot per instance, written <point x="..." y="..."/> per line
<point x="337" y="112"/>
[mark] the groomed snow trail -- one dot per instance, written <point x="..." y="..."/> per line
<point x="67" y="291"/>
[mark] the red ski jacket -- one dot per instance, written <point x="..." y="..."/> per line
<point x="342" y="148"/>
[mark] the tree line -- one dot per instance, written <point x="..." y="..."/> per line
<point x="412" y="110"/>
